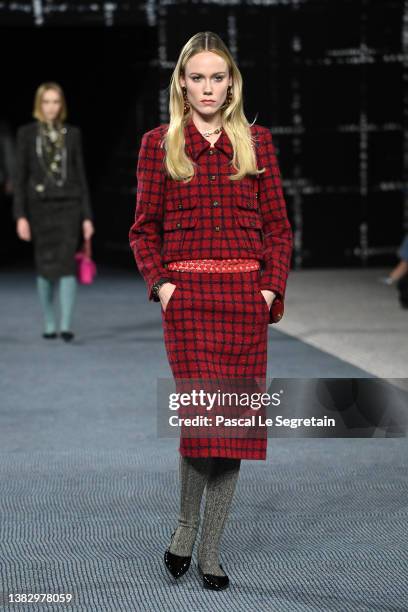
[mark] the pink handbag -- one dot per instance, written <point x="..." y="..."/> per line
<point x="85" y="266"/>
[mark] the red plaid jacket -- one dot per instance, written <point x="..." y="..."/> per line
<point x="211" y="216"/>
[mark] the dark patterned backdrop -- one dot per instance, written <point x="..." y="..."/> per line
<point x="328" y="78"/>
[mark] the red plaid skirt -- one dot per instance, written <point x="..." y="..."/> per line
<point x="216" y="327"/>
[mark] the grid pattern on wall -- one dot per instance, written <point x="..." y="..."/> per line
<point x="329" y="80"/>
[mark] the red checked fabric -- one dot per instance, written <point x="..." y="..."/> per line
<point x="215" y="265"/>
<point x="210" y="217"/>
<point x="215" y="328"/>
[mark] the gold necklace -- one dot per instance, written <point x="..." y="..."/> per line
<point x="216" y="131"/>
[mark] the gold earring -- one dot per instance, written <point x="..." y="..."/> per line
<point x="228" y="98"/>
<point x="186" y="104"/>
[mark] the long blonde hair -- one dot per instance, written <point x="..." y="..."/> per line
<point x="178" y="165"/>
<point x="41" y="89"/>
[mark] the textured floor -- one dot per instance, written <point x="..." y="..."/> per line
<point x="350" y="314"/>
<point x="89" y="493"/>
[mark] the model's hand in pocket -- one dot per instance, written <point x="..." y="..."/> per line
<point x="165" y="293"/>
<point x="269" y="296"/>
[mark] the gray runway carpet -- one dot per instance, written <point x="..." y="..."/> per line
<point x="89" y="493"/>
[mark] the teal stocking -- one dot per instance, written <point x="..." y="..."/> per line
<point x="67" y="293"/>
<point x="45" y="289"/>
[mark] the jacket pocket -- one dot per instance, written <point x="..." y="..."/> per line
<point x="174" y="203"/>
<point x="176" y="229"/>
<point x="247" y="203"/>
<point x="247" y="195"/>
<point x="252" y="226"/>
<point x="180" y="223"/>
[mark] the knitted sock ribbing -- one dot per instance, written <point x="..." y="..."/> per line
<point x="219" y="493"/>
<point x="193" y="473"/>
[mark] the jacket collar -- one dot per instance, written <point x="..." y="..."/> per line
<point x="197" y="144"/>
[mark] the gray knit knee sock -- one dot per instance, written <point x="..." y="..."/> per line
<point x="219" y="493"/>
<point x="193" y="473"/>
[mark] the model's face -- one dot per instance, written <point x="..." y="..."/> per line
<point x="50" y="104"/>
<point x="206" y="78"/>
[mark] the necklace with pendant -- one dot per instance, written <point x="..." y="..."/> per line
<point x="216" y="131"/>
<point x="51" y="150"/>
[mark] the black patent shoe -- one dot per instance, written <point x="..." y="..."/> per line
<point x="216" y="583"/>
<point x="49" y="335"/>
<point x="176" y="564"/>
<point x="67" y="336"/>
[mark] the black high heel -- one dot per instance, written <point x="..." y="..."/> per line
<point x="49" y="335"/>
<point x="176" y="564"/>
<point x="67" y="335"/>
<point x="211" y="581"/>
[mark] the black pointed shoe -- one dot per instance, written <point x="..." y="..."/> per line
<point x="211" y="581"/>
<point x="67" y="335"/>
<point x="49" y="335"/>
<point x="176" y="564"/>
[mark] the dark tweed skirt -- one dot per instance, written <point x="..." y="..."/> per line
<point x="216" y="327"/>
<point x="56" y="236"/>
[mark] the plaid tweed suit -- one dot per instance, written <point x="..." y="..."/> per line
<point x="215" y="324"/>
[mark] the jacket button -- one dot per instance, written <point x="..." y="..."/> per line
<point x="256" y="194"/>
<point x="180" y="206"/>
<point x="212" y="177"/>
<point x="217" y="228"/>
<point x="252" y="223"/>
<point x="178" y="225"/>
<point x="215" y="203"/>
<point x="211" y="152"/>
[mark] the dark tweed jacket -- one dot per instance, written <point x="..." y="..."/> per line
<point x="30" y="173"/>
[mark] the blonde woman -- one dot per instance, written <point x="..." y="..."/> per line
<point x="51" y="203"/>
<point x="213" y="242"/>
